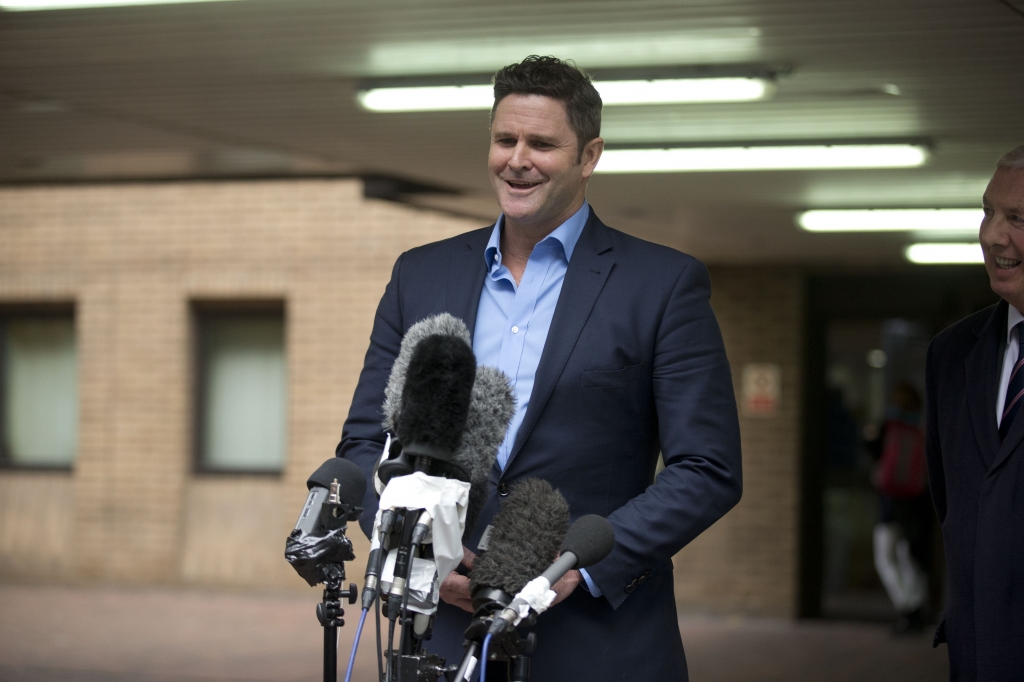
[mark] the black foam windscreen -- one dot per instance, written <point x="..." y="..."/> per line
<point x="524" y="541"/>
<point x="443" y="324"/>
<point x="490" y="410"/>
<point x="591" y="538"/>
<point x="351" y="480"/>
<point x="435" y="397"/>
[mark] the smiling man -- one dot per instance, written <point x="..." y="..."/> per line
<point x="975" y="443"/>
<point x="614" y="355"/>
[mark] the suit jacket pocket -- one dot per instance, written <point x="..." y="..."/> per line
<point x="593" y="378"/>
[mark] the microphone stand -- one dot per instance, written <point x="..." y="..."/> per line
<point x="334" y="515"/>
<point x="507" y="646"/>
<point x="330" y="612"/>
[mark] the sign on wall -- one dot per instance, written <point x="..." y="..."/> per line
<point x="762" y="389"/>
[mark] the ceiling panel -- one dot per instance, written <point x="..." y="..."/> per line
<point x="267" y="87"/>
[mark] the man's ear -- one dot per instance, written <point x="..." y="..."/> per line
<point x="591" y="155"/>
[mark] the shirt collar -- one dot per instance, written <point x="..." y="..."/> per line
<point x="1013" y="316"/>
<point x="566" y="234"/>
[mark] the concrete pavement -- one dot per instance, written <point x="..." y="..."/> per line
<point x="101" y="634"/>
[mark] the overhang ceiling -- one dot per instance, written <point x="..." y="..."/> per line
<point x="266" y="88"/>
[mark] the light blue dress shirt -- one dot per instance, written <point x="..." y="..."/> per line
<point x="512" y="322"/>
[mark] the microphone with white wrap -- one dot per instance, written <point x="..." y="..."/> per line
<point x="589" y="539"/>
<point x="522" y="541"/>
<point x="448" y="418"/>
<point x="491" y="408"/>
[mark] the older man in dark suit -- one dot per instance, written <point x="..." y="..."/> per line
<point x="975" y="442"/>
<point x="614" y="355"/>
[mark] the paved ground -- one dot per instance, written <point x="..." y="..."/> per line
<point x="55" y="634"/>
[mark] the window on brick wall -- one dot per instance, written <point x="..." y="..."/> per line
<point x="38" y="387"/>
<point x="242" y="387"/>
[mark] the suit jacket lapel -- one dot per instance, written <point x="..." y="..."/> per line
<point x="1016" y="432"/>
<point x="466" y="271"/>
<point x="982" y="371"/>
<point x="586" y="275"/>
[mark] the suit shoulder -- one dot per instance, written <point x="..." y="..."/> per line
<point x="456" y="244"/>
<point x="647" y="254"/>
<point x="962" y="333"/>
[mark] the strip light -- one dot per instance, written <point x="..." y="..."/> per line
<point x="790" y="157"/>
<point x="32" y="5"/>
<point x="892" y="220"/>
<point x="613" y="93"/>
<point x="944" y="253"/>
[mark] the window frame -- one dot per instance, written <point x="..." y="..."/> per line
<point x="202" y="310"/>
<point x="20" y="310"/>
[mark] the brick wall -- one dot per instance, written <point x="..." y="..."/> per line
<point x="132" y="256"/>
<point x="747" y="562"/>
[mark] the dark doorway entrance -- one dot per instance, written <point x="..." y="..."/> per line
<point x="865" y="333"/>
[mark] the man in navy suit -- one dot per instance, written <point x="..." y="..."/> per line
<point x="975" y="445"/>
<point x="614" y="355"/>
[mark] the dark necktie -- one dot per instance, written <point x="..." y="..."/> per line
<point x="1015" y="388"/>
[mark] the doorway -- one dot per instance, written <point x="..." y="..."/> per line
<point x="866" y="333"/>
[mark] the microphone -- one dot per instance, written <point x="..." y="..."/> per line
<point x="435" y="399"/>
<point x="491" y="408"/>
<point x="436" y="389"/>
<point x="524" y="539"/>
<point x="589" y="539"/>
<point x="335" y="491"/>
<point x="432" y="415"/>
<point x="437" y="325"/>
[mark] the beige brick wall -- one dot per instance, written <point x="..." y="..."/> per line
<point x="132" y="256"/>
<point x="747" y="562"/>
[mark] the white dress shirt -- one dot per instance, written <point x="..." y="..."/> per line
<point x="1009" y="359"/>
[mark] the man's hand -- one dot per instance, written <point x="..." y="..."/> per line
<point x="455" y="588"/>
<point x="566" y="584"/>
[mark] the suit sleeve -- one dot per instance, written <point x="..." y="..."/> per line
<point x="933" y="448"/>
<point x="699" y="433"/>
<point x="363" y="437"/>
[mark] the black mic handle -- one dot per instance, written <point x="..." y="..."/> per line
<point x="373" y="566"/>
<point x="403" y="564"/>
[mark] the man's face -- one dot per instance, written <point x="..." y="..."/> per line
<point x="535" y="165"/>
<point x="1002" y="234"/>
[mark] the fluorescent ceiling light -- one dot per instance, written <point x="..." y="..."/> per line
<point x="789" y="157"/>
<point x="430" y="98"/>
<point x="31" y="5"/>
<point x="944" y="253"/>
<point x="892" y="220"/>
<point x="613" y="93"/>
<point x="615" y="49"/>
<point x="681" y="90"/>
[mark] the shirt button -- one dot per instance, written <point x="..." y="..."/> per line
<point x="515" y="330"/>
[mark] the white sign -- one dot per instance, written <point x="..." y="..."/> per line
<point x="762" y="389"/>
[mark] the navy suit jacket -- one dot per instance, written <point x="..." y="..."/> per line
<point x="633" y="365"/>
<point x="978" y="487"/>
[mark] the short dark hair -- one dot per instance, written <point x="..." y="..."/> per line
<point x="560" y="80"/>
<point x="1012" y="159"/>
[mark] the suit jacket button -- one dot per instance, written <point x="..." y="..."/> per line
<point x="630" y="587"/>
<point x="644" y="577"/>
<point x="503" y="489"/>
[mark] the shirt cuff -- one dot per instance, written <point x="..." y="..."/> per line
<point x="591" y="586"/>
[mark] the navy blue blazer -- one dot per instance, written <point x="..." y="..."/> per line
<point x="633" y="365"/>
<point x="978" y="487"/>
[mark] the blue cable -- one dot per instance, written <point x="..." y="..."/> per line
<point x="355" y="645"/>
<point x="483" y="658"/>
